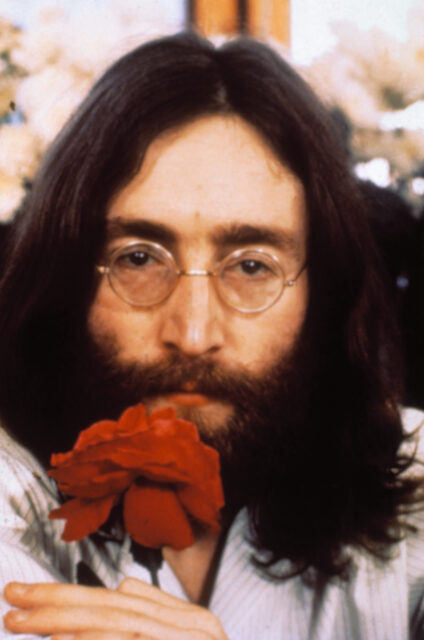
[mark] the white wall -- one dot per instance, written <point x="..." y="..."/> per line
<point x="311" y="21"/>
<point x="24" y="11"/>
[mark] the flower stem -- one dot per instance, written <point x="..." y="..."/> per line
<point x="149" y="558"/>
<point x="154" y="561"/>
<point x="86" y="576"/>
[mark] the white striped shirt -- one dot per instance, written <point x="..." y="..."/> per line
<point x="382" y="601"/>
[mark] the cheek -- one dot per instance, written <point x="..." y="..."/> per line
<point x="273" y="334"/>
<point x="131" y="332"/>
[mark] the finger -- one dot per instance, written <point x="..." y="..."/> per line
<point x="140" y="589"/>
<point x="184" y="614"/>
<point x="71" y="620"/>
<point x="28" y="596"/>
<point x="166" y="608"/>
<point x="101" y="635"/>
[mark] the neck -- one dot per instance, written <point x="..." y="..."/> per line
<point x="196" y="566"/>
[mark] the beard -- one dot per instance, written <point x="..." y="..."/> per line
<point x="262" y="429"/>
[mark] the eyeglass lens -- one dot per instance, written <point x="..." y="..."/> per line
<point x="145" y="275"/>
<point x="250" y="281"/>
<point x="142" y="274"/>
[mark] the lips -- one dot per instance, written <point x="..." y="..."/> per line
<point x="189" y="399"/>
<point x="188" y="396"/>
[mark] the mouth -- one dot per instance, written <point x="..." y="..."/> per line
<point x="189" y="396"/>
<point x="187" y="399"/>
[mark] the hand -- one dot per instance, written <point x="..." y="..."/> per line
<point x="136" y="610"/>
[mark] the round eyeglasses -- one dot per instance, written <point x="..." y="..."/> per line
<point x="143" y="274"/>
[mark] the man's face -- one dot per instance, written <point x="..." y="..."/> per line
<point x="213" y="178"/>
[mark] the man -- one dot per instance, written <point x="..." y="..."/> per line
<point x="261" y="318"/>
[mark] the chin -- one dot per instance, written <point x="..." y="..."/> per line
<point x="209" y="418"/>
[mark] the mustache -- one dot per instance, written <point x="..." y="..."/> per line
<point x="177" y="373"/>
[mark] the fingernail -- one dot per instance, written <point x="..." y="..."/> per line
<point x="18" y="615"/>
<point x="19" y="588"/>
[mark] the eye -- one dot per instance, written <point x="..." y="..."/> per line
<point x="252" y="267"/>
<point x="137" y="259"/>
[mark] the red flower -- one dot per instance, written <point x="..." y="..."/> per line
<point x="167" y="477"/>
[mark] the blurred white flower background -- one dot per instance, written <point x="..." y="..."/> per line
<point x="48" y="63"/>
<point x="377" y="83"/>
<point x="48" y="66"/>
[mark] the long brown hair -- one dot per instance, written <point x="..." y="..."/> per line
<point x="350" y="491"/>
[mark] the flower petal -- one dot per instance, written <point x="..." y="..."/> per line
<point x="168" y="413"/>
<point x="78" y="471"/>
<point x="127" y="457"/>
<point x="98" y="432"/>
<point x="133" y="420"/>
<point x="83" y="516"/>
<point x="113" y="482"/>
<point x="201" y="506"/>
<point x="165" y="421"/>
<point x="154" y="517"/>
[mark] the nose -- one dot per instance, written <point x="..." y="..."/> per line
<point x="192" y="322"/>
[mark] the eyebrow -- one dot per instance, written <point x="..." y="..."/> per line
<point x="245" y="234"/>
<point x="225" y="236"/>
<point x="154" y="231"/>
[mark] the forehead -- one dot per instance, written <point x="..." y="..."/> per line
<point x="212" y="173"/>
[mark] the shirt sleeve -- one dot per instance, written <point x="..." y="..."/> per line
<point x="30" y="545"/>
<point x="413" y="421"/>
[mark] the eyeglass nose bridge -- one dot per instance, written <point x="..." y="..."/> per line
<point x="195" y="272"/>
